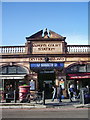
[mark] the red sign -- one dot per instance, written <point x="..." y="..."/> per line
<point x="79" y="75"/>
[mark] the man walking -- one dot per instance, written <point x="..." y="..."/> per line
<point x="59" y="93"/>
<point x="71" y="92"/>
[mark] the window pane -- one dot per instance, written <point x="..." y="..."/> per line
<point x="88" y="68"/>
<point x="21" y="70"/>
<point x="74" y="69"/>
<point x="3" y="70"/>
<point x="82" y="68"/>
<point x="11" y="69"/>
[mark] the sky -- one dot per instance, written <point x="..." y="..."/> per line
<point x="23" y="19"/>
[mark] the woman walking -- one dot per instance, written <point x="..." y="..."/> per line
<point x="54" y="93"/>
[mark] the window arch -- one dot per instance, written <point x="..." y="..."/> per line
<point x="12" y="70"/>
<point x="78" y="68"/>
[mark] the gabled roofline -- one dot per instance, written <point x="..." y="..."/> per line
<point x="45" y="35"/>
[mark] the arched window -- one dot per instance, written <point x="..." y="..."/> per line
<point x="78" y="68"/>
<point x="12" y="70"/>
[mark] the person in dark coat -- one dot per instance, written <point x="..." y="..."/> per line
<point x="59" y="93"/>
<point x="71" y="92"/>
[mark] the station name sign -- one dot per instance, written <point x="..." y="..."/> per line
<point x="46" y="65"/>
<point x="47" y="47"/>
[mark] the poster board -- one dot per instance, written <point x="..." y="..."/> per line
<point x="32" y="85"/>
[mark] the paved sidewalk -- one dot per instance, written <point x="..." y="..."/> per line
<point x="48" y="104"/>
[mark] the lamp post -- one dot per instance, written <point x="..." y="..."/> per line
<point x="43" y="94"/>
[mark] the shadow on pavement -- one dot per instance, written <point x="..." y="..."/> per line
<point x="63" y="103"/>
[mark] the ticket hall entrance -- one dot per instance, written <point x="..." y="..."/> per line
<point x="46" y="79"/>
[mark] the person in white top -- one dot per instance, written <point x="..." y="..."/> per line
<point x="54" y="93"/>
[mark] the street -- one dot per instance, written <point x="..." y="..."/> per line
<point x="46" y="113"/>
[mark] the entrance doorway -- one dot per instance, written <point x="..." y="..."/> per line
<point x="10" y="85"/>
<point x="45" y="81"/>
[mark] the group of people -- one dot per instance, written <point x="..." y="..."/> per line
<point x="9" y="91"/>
<point x="58" y="92"/>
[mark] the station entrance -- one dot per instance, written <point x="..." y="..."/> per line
<point x="46" y="79"/>
<point x="46" y="75"/>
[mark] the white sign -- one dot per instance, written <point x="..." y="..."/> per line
<point x="32" y="85"/>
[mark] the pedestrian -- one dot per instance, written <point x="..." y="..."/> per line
<point x="59" y="93"/>
<point x="71" y="92"/>
<point x="54" y="93"/>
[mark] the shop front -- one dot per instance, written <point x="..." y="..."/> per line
<point x="79" y="76"/>
<point x="11" y="76"/>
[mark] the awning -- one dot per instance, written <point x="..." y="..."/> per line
<point x="79" y="76"/>
<point x="12" y="76"/>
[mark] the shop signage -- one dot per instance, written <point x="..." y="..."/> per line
<point x="79" y="76"/>
<point x="46" y="65"/>
<point x="51" y="59"/>
<point x="47" y="47"/>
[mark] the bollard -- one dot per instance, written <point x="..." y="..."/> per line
<point x="43" y="97"/>
<point x="82" y="98"/>
<point x="83" y="101"/>
<point x="14" y="96"/>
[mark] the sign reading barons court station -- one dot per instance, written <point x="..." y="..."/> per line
<point x="47" y="47"/>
